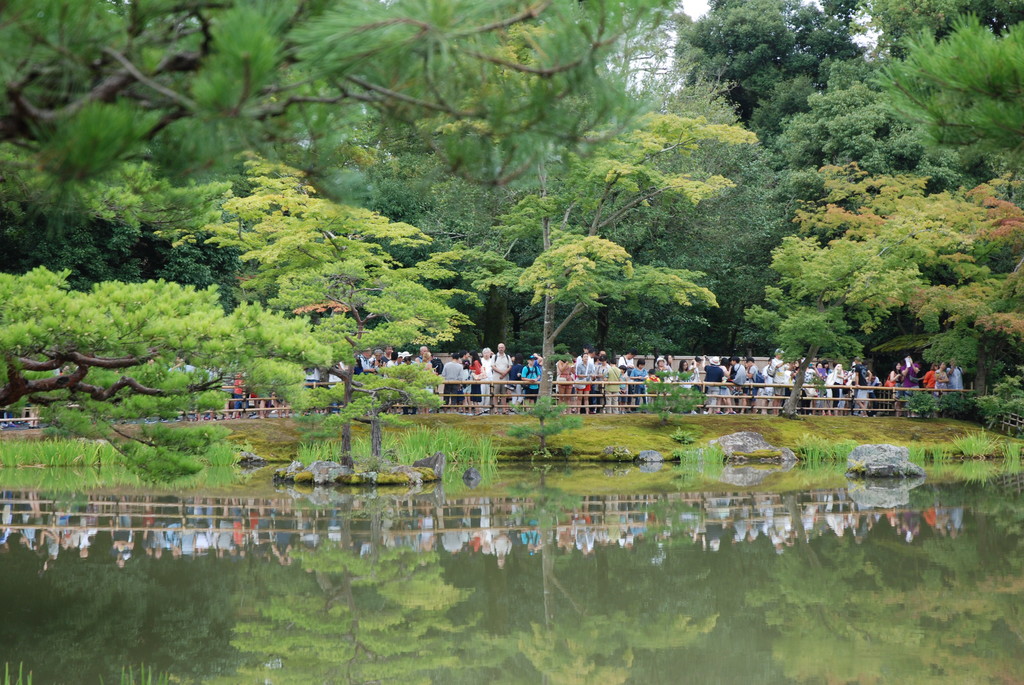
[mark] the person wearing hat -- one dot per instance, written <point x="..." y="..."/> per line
<point x="717" y="394"/>
<point x="365" y="363"/>
<point x="531" y="372"/>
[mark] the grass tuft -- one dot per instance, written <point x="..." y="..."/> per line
<point x="977" y="445"/>
<point x="814" y="449"/>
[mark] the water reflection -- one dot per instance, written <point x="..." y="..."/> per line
<point x="532" y="584"/>
<point x="273" y="529"/>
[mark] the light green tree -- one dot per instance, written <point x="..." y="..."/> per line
<point x="577" y="269"/>
<point x="311" y="256"/>
<point x="846" y="274"/>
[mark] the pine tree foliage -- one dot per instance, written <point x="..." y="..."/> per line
<point x="489" y="86"/>
<point x="123" y="351"/>
<point x="967" y="90"/>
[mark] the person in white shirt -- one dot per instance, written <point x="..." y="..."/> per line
<point x="487" y="362"/>
<point x="500" y="368"/>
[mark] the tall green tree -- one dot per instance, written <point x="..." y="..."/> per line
<point x="576" y="266"/>
<point x="773" y="52"/>
<point x="898" y="23"/>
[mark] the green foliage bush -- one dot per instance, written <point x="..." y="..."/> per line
<point x="923" y="405"/>
<point x="815" y="450"/>
<point x="684" y="436"/>
<point x="976" y="445"/>
<point x="962" y="406"/>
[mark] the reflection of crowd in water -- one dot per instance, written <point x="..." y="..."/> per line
<point x="748" y="517"/>
<point x="126" y="528"/>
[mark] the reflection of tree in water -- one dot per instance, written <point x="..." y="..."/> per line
<point x="89" y="620"/>
<point x="365" y="613"/>
<point x="948" y="607"/>
<point x="567" y="633"/>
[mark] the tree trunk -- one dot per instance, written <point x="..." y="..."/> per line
<point x="547" y="347"/>
<point x="543" y="438"/>
<point x="376" y="437"/>
<point x="547" y="339"/>
<point x="603" y="325"/>
<point x="981" y="370"/>
<point x="347" y="376"/>
<point x="494" y="326"/>
<point x="792" y="405"/>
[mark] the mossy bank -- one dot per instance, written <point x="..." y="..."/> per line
<point x="278" y="439"/>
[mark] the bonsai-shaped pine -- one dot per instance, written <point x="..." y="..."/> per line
<point x="369" y="399"/>
<point x="672" y="398"/>
<point x="550" y="419"/>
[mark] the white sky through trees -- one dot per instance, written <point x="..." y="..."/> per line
<point x="695" y="8"/>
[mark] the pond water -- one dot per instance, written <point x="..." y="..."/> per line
<point x="518" y="583"/>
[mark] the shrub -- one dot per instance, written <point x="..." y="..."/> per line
<point x="684" y="437"/>
<point x="550" y="421"/>
<point x="922" y="404"/>
<point x="959" y="405"/>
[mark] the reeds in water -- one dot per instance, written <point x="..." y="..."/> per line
<point x="408" y="446"/>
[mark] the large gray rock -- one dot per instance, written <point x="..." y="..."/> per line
<point x="882" y="461"/>
<point x="649" y="456"/>
<point x="882" y="494"/>
<point x="751" y="446"/>
<point x="415" y="477"/>
<point x="436" y="462"/>
<point x="325" y="472"/>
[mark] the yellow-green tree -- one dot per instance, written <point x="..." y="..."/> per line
<point x="577" y="267"/>
<point x="317" y="258"/>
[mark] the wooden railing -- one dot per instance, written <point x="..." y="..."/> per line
<point x="1011" y="424"/>
<point x="619" y="397"/>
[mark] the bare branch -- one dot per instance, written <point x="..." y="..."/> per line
<point x="148" y="82"/>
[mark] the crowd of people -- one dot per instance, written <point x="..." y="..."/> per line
<point x="594" y="381"/>
<point x="498" y="381"/>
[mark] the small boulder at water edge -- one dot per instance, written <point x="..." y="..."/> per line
<point x="436" y="462"/>
<point x="471" y="477"/>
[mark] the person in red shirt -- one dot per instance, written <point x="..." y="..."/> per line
<point x="929" y="378"/>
